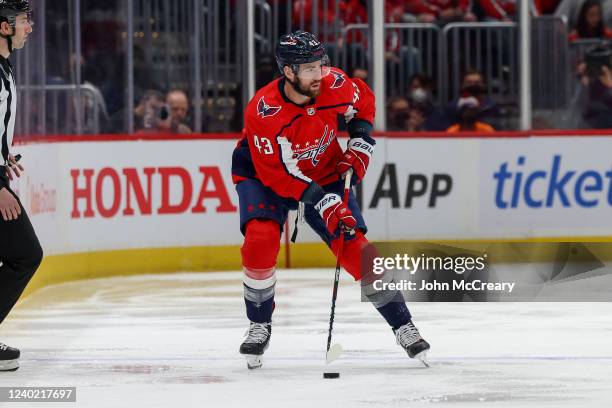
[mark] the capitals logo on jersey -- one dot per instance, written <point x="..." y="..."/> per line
<point x="313" y="152"/>
<point x="338" y="80"/>
<point x="264" y="110"/>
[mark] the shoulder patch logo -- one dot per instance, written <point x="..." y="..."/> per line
<point x="338" y="80"/>
<point x="264" y="110"/>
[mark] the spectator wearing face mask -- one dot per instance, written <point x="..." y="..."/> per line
<point x="404" y="116"/>
<point x="468" y="112"/>
<point x="424" y="114"/>
<point x="473" y="84"/>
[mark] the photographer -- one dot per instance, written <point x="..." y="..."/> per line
<point x="595" y="89"/>
<point x="152" y="115"/>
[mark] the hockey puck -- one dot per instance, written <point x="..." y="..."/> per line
<point x="331" y="375"/>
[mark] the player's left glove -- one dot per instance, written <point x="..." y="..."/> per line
<point x="335" y="213"/>
<point x="357" y="156"/>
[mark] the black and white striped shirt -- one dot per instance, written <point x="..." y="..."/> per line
<point x="8" y="104"/>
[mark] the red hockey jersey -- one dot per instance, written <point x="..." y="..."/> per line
<point x="286" y="146"/>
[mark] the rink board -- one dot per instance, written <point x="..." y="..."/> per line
<point x="111" y="204"/>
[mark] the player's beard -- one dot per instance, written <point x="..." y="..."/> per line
<point x="299" y="88"/>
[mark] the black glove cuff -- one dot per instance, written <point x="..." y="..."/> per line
<point x="313" y="194"/>
<point x="361" y="128"/>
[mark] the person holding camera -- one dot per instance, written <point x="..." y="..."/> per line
<point x="595" y="88"/>
<point x="152" y="115"/>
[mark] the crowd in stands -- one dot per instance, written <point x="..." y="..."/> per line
<point x="416" y="108"/>
<point x="474" y="110"/>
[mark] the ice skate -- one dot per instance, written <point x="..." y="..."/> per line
<point x="410" y="339"/>
<point x="9" y="358"/>
<point x="256" y="343"/>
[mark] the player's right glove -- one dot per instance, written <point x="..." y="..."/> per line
<point x="335" y="213"/>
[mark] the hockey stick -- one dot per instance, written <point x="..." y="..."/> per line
<point x="336" y="350"/>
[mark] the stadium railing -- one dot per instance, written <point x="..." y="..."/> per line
<point x="61" y="109"/>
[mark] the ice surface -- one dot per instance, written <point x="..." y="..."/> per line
<point x="172" y="341"/>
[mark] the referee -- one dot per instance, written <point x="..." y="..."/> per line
<point x="20" y="251"/>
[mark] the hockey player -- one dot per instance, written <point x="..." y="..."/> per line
<point x="20" y="252"/>
<point x="290" y="155"/>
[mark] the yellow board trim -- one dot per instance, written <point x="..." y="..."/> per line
<point x="100" y="264"/>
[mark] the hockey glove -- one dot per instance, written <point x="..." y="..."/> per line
<point x="335" y="213"/>
<point x="357" y="156"/>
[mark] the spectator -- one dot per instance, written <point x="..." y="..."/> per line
<point x="468" y="108"/>
<point x="152" y="114"/>
<point x="424" y="115"/>
<point x="398" y="112"/>
<point x="590" y="23"/>
<point x="441" y="11"/>
<point x="474" y="84"/>
<point x="571" y="10"/>
<point x="595" y="94"/>
<point x="178" y="103"/>
<point x="498" y="10"/>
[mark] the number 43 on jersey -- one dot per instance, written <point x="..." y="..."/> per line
<point x="263" y="145"/>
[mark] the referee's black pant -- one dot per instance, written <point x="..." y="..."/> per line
<point x="20" y="256"/>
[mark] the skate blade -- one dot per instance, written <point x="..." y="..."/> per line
<point x="253" y="361"/>
<point x="9" y="365"/>
<point x="422" y="357"/>
<point x="334" y="353"/>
